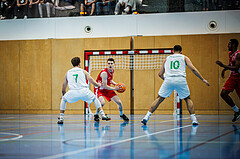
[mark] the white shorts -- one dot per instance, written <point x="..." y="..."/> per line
<point x="174" y="83"/>
<point x="84" y="94"/>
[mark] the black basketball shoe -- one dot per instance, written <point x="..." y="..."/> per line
<point x="124" y="117"/>
<point x="236" y="116"/>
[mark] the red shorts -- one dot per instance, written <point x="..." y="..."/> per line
<point x="108" y="94"/>
<point x="231" y="84"/>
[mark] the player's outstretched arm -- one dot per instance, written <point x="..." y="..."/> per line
<point x="91" y="80"/>
<point x="229" y="67"/>
<point x="162" y="70"/>
<point x="195" y="71"/>
<point x="64" y="86"/>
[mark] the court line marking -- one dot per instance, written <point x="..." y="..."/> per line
<point x="21" y="127"/>
<point x="11" y="134"/>
<point x="110" y="144"/>
<point x="141" y="141"/>
<point x="203" y="143"/>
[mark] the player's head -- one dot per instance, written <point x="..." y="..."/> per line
<point x="233" y="44"/>
<point x="75" y="61"/>
<point x="111" y="64"/>
<point x="177" y="49"/>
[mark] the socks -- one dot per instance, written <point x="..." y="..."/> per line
<point x="235" y="108"/>
<point x="148" y="115"/>
<point x="61" y="116"/>
<point x="193" y="117"/>
<point x="102" y="113"/>
<point x="121" y="113"/>
<point x="97" y="112"/>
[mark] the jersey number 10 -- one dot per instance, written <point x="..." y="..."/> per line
<point x="175" y="64"/>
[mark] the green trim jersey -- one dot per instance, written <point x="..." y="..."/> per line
<point x="175" y="66"/>
<point x="76" y="79"/>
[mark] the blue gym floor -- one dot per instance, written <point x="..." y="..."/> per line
<point x="26" y="136"/>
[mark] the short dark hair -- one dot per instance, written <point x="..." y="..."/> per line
<point x="235" y="42"/>
<point x="177" y="48"/>
<point x="75" y="61"/>
<point x="111" y="59"/>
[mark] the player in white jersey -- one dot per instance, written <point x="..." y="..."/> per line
<point x="75" y="78"/>
<point x="173" y="73"/>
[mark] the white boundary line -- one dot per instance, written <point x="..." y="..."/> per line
<point x="109" y="144"/>
<point x="14" y="138"/>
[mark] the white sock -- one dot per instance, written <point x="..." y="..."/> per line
<point x="147" y="116"/>
<point x="235" y="108"/>
<point x="63" y="105"/>
<point x="61" y="116"/>
<point x="102" y="113"/>
<point x="121" y="113"/>
<point x="97" y="112"/>
<point x="193" y="117"/>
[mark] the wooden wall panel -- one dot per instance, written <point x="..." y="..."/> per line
<point x="62" y="53"/>
<point x="223" y="56"/>
<point x="9" y="75"/>
<point x="167" y="41"/>
<point x="123" y="43"/>
<point x="144" y="91"/>
<point x="203" y="52"/>
<point x="144" y="42"/>
<point x="35" y="74"/>
<point x="97" y="44"/>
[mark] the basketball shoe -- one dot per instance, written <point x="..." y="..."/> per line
<point x="124" y="117"/>
<point x="96" y="117"/>
<point x="60" y="121"/>
<point x="144" y="121"/>
<point x="105" y="117"/>
<point x="194" y="122"/>
<point x="236" y="116"/>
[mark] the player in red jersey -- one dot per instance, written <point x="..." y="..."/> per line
<point x="105" y="77"/>
<point x="233" y="81"/>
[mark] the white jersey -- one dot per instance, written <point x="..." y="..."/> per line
<point x="175" y="66"/>
<point x="76" y="79"/>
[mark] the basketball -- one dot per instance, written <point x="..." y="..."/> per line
<point x="122" y="87"/>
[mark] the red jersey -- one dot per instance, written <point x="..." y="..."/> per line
<point x="109" y="75"/>
<point x="232" y="58"/>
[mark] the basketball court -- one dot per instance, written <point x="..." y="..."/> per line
<point x="165" y="136"/>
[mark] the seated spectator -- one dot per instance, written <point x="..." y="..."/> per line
<point x="11" y="4"/>
<point x="125" y="6"/>
<point x="81" y="6"/>
<point x="103" y="4"/>
<point x="90" y="4"/>
<point x="48" y="4"/>
<point x="65" y="4"/>
<point x="3" y="7"/>
<point x="209" y="5"/>
<point x="22" y="6"/>
<point x="32" y="10"/>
